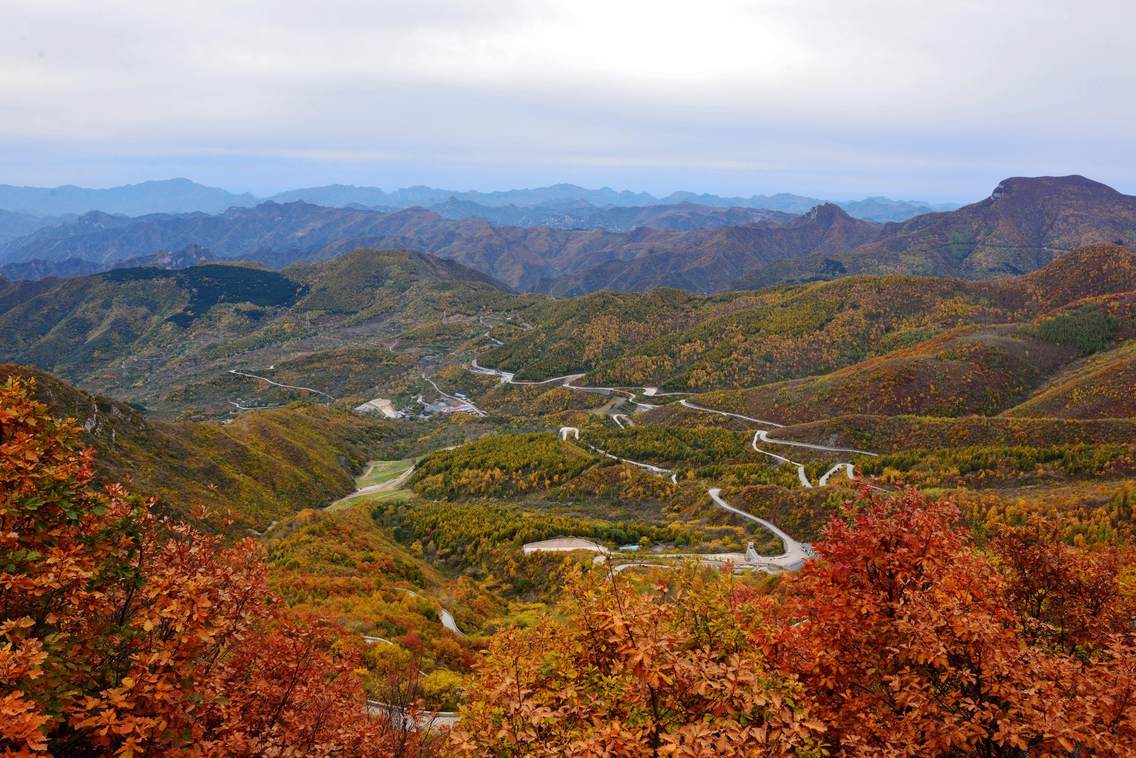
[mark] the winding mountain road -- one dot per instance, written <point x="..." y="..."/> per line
<point x="464" y="405"/>
<point x="387" y="486"/>
<point x="693" y="407"/>
<point x="795" y="553"/>
<point x="278" y="384"/>
<point x="764" y="437"/>
<point x="448" y="622"/>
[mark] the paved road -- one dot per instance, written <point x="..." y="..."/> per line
<point x="467" y="405"/>
<point x="692" y="406"/>
<point x="506" y="377"/>
<point x="650" y="467"/>
<point x="421" y="721"/>
<point x="801" y="474"/>
<point x="447" y="620"/>
<point x="845" y="467"/>
<point x="764" y="437"/>
<point x="387" y="486"/>
<point x="278" y="384"/>
<point x="795" y="553"/>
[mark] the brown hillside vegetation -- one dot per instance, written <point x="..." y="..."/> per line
<point x="260" y="468"/>
<point x="680" y="341"/>
<point x="125" y="634"/>
<point x="1089" y="271"/>
<point x="1103" y="386"/>
<point x="967" y="370"/>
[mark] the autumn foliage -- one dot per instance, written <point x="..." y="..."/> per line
<point x="911" y="642"/>
<point x="123" y="634"/>
<point x="904" y="639"/>
<point x="668" y="671"/>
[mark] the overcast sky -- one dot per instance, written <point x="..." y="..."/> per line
<point x="832" y="98"/>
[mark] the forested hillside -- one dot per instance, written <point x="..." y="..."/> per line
<point x="681" y="341"/>
<point x="643" y="536"/>
<point x="261" y="468"/>
<point x="167" y="339"/>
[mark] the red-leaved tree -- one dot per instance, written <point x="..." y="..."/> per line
<point x="123" y="634"/>
<point x="910" y="641"/>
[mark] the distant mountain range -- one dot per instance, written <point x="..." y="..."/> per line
<point x="508" y="207"/>
<point x="162" y="196"/>
<point x="14" y="224"/>
<point x="1024" y="224"/>
<point x="578" y="201"/>
<point x="534" y="258"/>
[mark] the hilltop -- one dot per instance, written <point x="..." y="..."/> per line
<point x="168" y="339"/>
<point x="681" y="341"/>
<point x="1023" y="225"/>
<point x="160" y="196"/>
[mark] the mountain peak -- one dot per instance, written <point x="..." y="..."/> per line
<point x="825" y="213"/>
<point x="1034" y="185"/>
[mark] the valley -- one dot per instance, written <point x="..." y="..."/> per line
<point x="444" y="471"/>
<point x="472" y="379"/>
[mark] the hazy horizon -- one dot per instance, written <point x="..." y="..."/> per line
<point x="269" y="194"/>
<point x="272" y="194"/>
<point x="836" y="100"/>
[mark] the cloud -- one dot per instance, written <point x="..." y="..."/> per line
<point x="844" y="96"/>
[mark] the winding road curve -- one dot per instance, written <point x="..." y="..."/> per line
<point x="278" y="384"/>
<point x="763" y="435"/>
<point x="795" y="553"/>
<point x="693" y="407"/>
<point x="387" y="486"/>
<point x="467" y="405"/>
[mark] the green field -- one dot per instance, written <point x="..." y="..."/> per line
<point x="377" y="472"/>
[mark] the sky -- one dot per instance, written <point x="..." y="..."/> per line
<point x="837" y="99"/>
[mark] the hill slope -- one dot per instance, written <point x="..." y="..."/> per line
<point x="1023" y="225"/>
<point x="262" y="467"/>
<point x="145" y="333"/>
<point x="1104" y="386"/>
<point x="682" y="341"/>
<point x="963" y="371"/>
